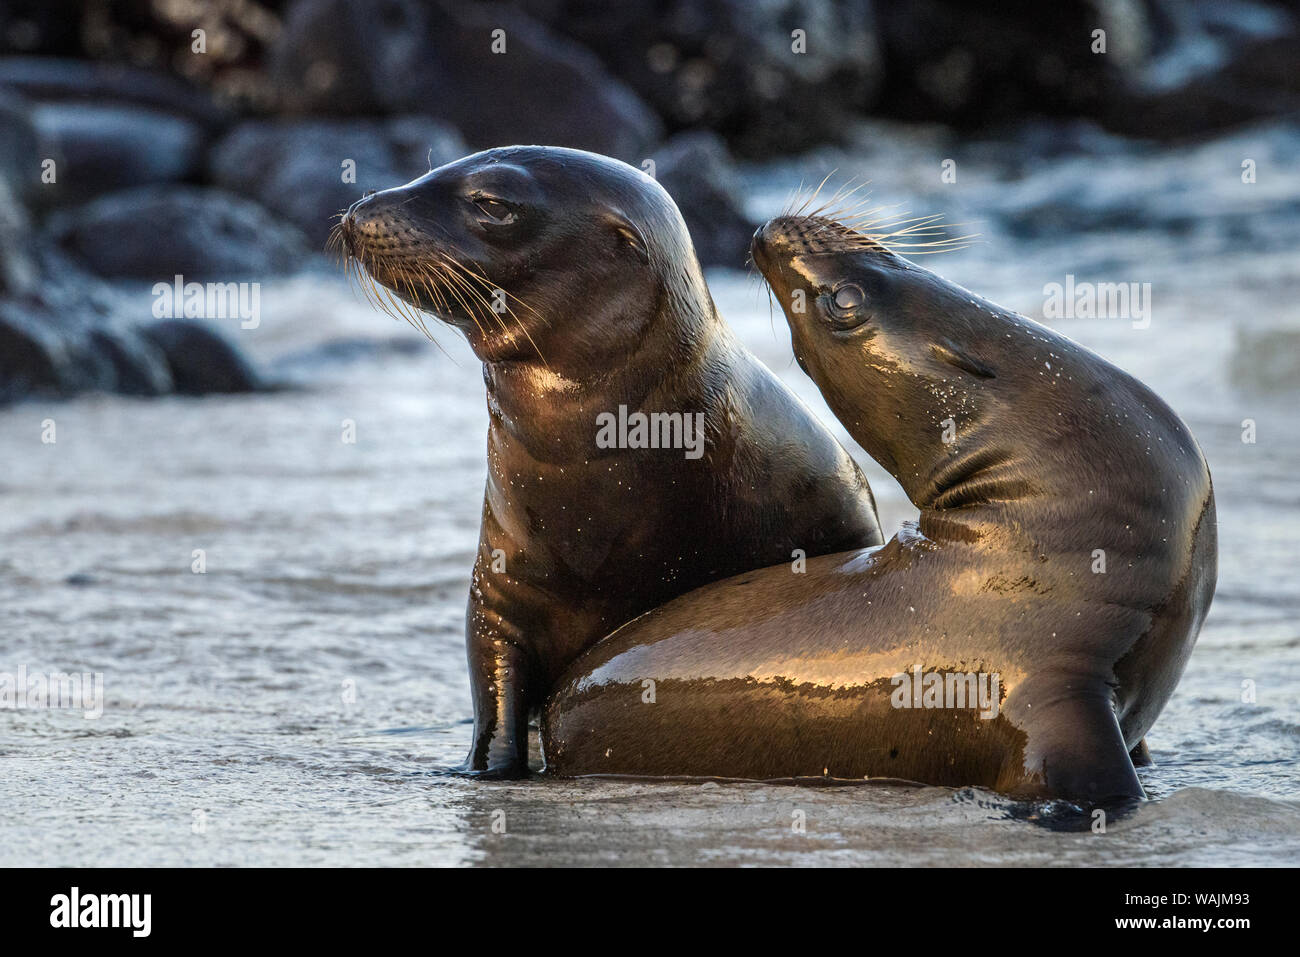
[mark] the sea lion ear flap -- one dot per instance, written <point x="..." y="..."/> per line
<point x="629" y="236"/>
<point x="945" y="351"/>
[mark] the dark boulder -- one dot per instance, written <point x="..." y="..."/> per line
<point x="19" y="178"/>
<point x="99" y="148"/>
<point x="295" y="168"/>
<point x="160" y="232"/>
<point x="201" y="360"/>
<point x="437" y="59"/>
<point x="1169" y="68"/>
<point x="17" y="268"/>
<point x="50" y="79"/>
<point x="20" y="148"/>
<point x="973" y="65"/>
<point x="77" y="334"/>
<point x="732" y="66"/>
<point x="134" y="358"/>
<point x="29" y="353"/>
<point x="65" y="347"/>
<point x="696" y="170"/>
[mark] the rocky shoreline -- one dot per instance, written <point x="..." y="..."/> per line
<point x="129" y="157"/>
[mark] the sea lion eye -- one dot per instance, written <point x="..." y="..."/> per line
<point x="494" y="210"/>
<point x="849" y="296"/>
<point x="844" y="306"/>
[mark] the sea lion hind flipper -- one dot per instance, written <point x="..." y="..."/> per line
<point x="1141" y="755"/>
<point x="1073" y="749"/>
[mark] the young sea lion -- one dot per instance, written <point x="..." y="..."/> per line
<point x="573" y="278"/>
<point x="1023" y="635"/>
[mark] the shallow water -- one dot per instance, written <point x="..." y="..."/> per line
<point x="289" y="705"/>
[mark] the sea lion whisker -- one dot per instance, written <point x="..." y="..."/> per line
<point x="393" y="303"/>
<point x="430" y="288"/>
<point x="443" y="292"/>
<point x="869" y="230"/>
<point x="505" y="302"/>
<point x="475" y="296"/>
<point x="405" y="278"/>
<point x="491" y="286"/>
<point x="840" y="197"/>
<point x="412" y="276"/>
<point x="431" y="275"/>
<point x="788" y="208"/>
<point x="455" y="257"/>
<point x="410" y="312"/>
<point x="815" y="193"/>
<point x="404" y="306"/>
<point x="457" y="289"/>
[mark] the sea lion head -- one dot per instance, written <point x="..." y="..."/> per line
<point x="913" y="365"/>
<point x="535" y="253"/>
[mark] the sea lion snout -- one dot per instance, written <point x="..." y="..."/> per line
<point x="773" y="247"/>
<point x="764" y="246"/>
<point x="374" y="226"/>
<point x="780" y="239"/>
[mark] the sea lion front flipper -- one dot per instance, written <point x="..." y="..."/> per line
<point x="499" y="676"/>
<point x="1073" y="747"/>
<point x="1141" y="755"/>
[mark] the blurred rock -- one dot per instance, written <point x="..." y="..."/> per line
<point x="697" y="171"/>
<point x="75" y="333"/>
<point x="27" y="354"/>
<point x="20" y="153"/>
<point x="43" y="353"/>
<point x="101" y="148"/>
<point x="333" y="57"/>
<point x="138" y="368"/>
<point x="201" y="360"/>
<point x="17" y="270"/>
<point x="294" y="167"/>
<point x="730" y="66"/>
<point x="154" y="34"/>
<point x="19" y="176"/>
<point x="1170" y="68"/>
<point x="400" y="56"/>
<point x="158" y="232"/>
<point x="49" y="79"/>
<point x="972" y="65"/>
<point x="40" y="26"/>
<point x="1208" y="65"/>
<point x="68" y="337"/>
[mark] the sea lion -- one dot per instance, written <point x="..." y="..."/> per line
<point x="573" y="278"/>
<point x="1023" y="635"/>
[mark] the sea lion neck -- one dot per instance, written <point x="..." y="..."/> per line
<point x="677" y="354"/>
<point x="966" y="476"/>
